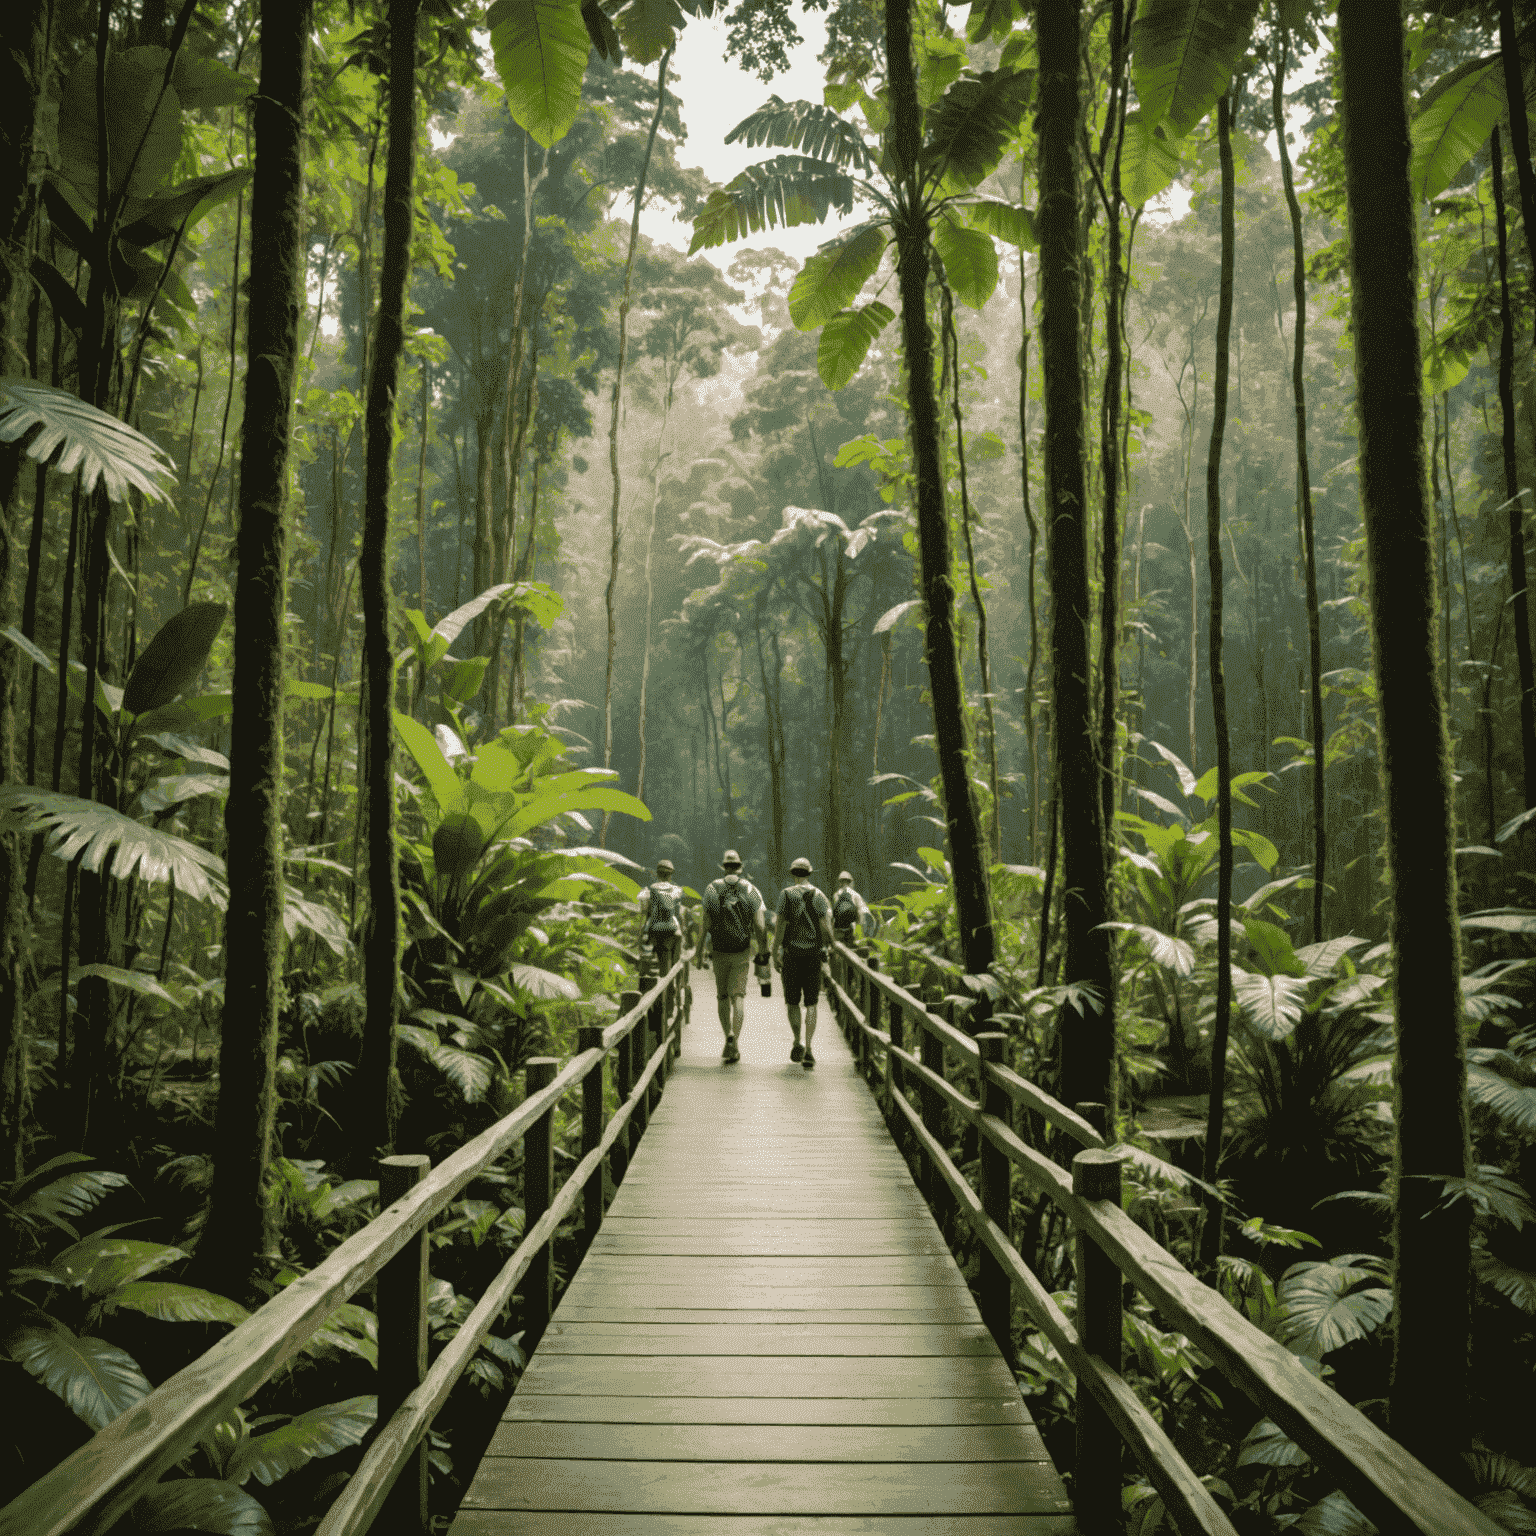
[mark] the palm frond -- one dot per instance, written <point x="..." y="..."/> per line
<point x="106" y="841"/>
<point x="807" y="126"/>
<point x="86" y="439"/>
<point x="779" y="193"/>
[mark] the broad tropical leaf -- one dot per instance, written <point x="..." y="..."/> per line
<point x="545" y="984"/>
<point x="970" y="260"/>
<point x="106" y="840"/>
<point x="806" y="126"/>
<point x="472" y="1075"/>
<point x="1182" y="58"/>
<point x="170" y="663"/>
<point x="1333" y="1516"/>
<point x="99" y="446"/>
<point x="1267" y="1445"/>
<point x="971" y="125"/>
<point x="183" y="206"/>
<point x="143" y="123"/>
<point x="891" y="617"/>
<point x="1271" y="1004"/>
<point x="200" y="1504"/>
<point x="831" y="279"/>
<point x="1149" y="164"/>
<point x="1323" y="959"/>
<point x="1453" y="126"/>
<point x="172" y="1303"/>
<point x="133" y="981"/>
<point x="321" y="1432"/>
<point x="540" y="48"/>
<point x="1172" y="953"/>
<point x="1509" y="1102"/>
<point x="648" y="28"/>
<point x="785" y="191"/>
<point x="446" y="786"/>
<point x="1516" y="1285"/>
<point x="95" y="1379"/>
<point x="1322" y="1309"/>
<point x="1271" y="947"/>
<point x="846" y="339"/>
<point x="71" y="1194"/>
<point x="1510" y="920"/>
<point x="1490" y="1194"/>
<point x="324" y="922"/>
<point x="1012" y="223"/>
<point x="101" y="1264"/>
<point x="1187" y="780"/>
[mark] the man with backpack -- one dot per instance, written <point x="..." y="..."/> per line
<point x="802" y="930"/>
<point x="735" y="924"/>
<point x="850" y="912"/>
<point x="662" y="926"/>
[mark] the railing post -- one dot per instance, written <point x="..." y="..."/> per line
<point x="634" y="1046"/>
<point x="931" y="1054"/>
<point x="590" y="1038"/>
<point x="996" y="1197"/>
<point x="860" y="997"/>
<point x="655" y="1033"/>
<point x="538" y="1191"/>
<point x="618" y="1156"/>
<point x="402" y="1308"/>
<point x="895" y="1073"/>
<point x="1096" y="1481"/>
<point x="872" y="1007"/>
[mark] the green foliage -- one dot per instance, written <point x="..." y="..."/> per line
<point x="291" y="1442"/>
<point x="846" y="339"/>
<point x="1149" y="162"/>
<point x="200" y="1504"/>
<point x="97" y="1380"/>
<point x="540" y="47"/>
<point x="786" y="191"/>
<point x="830" y="281"/>
<point x="969" y="258"/>
<point x="1183" y="56"/>
<point x="966" y="133"/>
<point x="174" y="657"/>
<point x="1453" y="124"/>
<point x="1325" y="1305"/>
<point x="806" y="126"/>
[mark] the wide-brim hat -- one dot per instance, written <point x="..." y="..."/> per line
<point x="800" y="867"/>
<point x="664" y="866"/>
<point x="846" y="876"/>
<point x="730" y="859"/>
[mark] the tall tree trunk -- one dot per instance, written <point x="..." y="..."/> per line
<point x="1514" y="497"/>
<point x="237" y="1236"/>
<point x="650" y="587"/>
<point x="1031" y="733"/>
<point x="1428" y="1396"/>
<point x="773" y="717"/>
<point x="377" y="1086"/>
<point x="967" y="848"/>
<point x="1087" y="1035"/>
<point x="1210" y="1237"/>
<point x="1519" y="126"/>
<point x="1304" y="497"/>
<point x="484" y="561"/>
<point x="421" y="486"/>
<point x="24" y="52"/>
<point x="615" y="539"/>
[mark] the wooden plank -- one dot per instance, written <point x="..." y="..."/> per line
<point x="772" y="1242"/>
<point x="664" y="1269"/>
<point x="774" y="1298"/>
<point x="943" y="1443"/>
<point x="766" y="1376"/>
<point x="637" y="1313"/>
<point x="472" y="1522"/>
<point x="681" y="1339"/>
<point x="795" y="1488"/>
<point x="573" y="1408"/>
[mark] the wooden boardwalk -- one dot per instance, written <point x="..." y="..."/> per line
<point x="769" y="1335"/>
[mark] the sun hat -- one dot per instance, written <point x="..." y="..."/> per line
<point x="801" y="866"/>
<point x="846" y="876"/>
<point x="730" y="859"/>
<point x="664" y="866"/>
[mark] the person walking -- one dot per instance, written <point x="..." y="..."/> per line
<point x="736" y="927"/>
<point x="851" y="916"/>
<point x="802" y="930"/>
<point x="662" y="928"/>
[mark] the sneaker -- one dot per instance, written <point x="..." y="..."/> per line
<point x="797" y="1051"/>
<point x="731" y="1052"/>
<point x="807" y="1061"/>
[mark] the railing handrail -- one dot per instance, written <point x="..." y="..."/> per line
<point x="96" y="1484"/>
<point x="1390" y="1486"/>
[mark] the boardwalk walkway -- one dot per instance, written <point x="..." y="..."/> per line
<point x="768" y="1336"/>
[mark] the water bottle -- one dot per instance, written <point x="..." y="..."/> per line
<point x="764" y="975"/>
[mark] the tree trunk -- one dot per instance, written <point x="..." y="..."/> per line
<point x="1519" y="126"/>
<point x="237" y="1236"/>
<point x="1304" y="499"/>
<point x="1087" y="1035"/>
<point x="967" y="849"/>
<point x="773" y="717"/>
<point x="421" y="486"/>
<point x="485" y="513"/>
<point x="615" y="532"/>
<point x="1428" y="1396"/>
<point x="1514" y="496"/>
<point x="1210" y="1237"/>
<point x="377" y="1086"/>
<point x="1031" y="734"/>
<point x="650" y="586"/>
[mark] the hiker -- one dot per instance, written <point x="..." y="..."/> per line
<point x="662" y="928"/>
<point x="850" y="912"/>
<point x="802" y="930"/>
<point x="736" y="929"/>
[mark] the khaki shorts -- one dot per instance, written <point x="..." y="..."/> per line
<point x="731" y="973"/>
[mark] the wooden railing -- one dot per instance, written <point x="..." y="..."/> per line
<point x="88" y="1491"/>
<point x="1388" y="1485"/>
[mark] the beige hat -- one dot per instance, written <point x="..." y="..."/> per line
<point x="664" y="866"/>
<point x="801" y="866"/>
<point x="730" y="859"/>
<point x="846" y="876"/>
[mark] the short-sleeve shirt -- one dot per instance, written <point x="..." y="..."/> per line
<point x="801" y="906"/>
<point x="662" y="916"/>
<point x="712" y="892"/>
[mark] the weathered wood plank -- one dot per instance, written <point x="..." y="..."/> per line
<point x="573" y="1408"/>
<point x="766" y="1376"/>
<point x="663" y="1269"/>
<point x="582" y="1523"/>
<point x="794" y="1488"/>
<point x="773" y="1298"/>
<point x="942" y="1443"/>
<point x="634" y="1311"/>
<point x="686" y="1339"/>
<point x="772" y="1242"/>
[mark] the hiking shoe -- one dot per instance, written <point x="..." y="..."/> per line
<point x="731" y="1052"/>
<point x="807" y="1061"/>
<point x="797" y="1051"/>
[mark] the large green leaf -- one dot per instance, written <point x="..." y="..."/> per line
<point x="1333" y="1516"/>
<point x="97" y="1380"/>
<point x="99" y="446"/>
<point x="970" y="260"/>
<point x="1148" y="162"/>
<point x="170" y="663"/>
<point x="321" y="1432"/>
<point x="648" y="28"/>
<point x="133" y="981"/>
<point x="446" y="786"/>
<point x="1510" y="1102"/>
<point x="324" y="922"/>
<point x="106" y="840"/>
<point x="543" y="984"/>
<point x="204" y="83"/>
<point x="1322" y="959"/>
<point x="831" y="279"/>
<point x="199" y="1504"/>
<point x="968" y="129"/>
<point x="71" y="1194"/>
<point x="471" y="1074"/>
<point x="172" y="1303"/>
<point x="1267" y="1445"/>
<point x="100" y="1265"/>
<point x="547" y="807"/>
<point x="1183" y="53"/>
<point x="807" y="126"/>
<point x="1271" y="1004"/>
<point x="846" y="339"/>
<point x="785" y="191"/>
<point x="1326" y="1305"/>
<point x="1271" y="947"/>
<point x="1174" y="954"/>
<point x="1012" y="223"/>
<point x="1453" y="127"/>
<point x="143" y="123"/>
<point x="540" y="48"/>
<point x="182" y="207"/>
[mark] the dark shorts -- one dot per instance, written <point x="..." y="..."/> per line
<point x="668" y="947"/>
<point x="802" y="976"/>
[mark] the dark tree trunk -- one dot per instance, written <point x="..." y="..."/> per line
<point x="377" y="1087"/>
<point x="1519" y="125"/>
<point x="1518" y="582"/>
<point x="1088" y="1035"/>
<point x="1210" y="1239"/>
<point x="1428" y="1398"/>
<point x="237" y="1236"/>
<point x="967" y="848"/>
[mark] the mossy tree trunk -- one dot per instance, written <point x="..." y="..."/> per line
<point x="1428" y="1395"/>
<point x="236" y="1237"/>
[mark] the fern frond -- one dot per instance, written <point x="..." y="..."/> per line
<point x="779" y="193"/>
<point x="811" y="128"/>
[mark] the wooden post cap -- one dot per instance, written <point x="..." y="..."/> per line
<point x="541" y="1071"/>
<point x="1096" y="1174"/>
<point x="992" y="1044"/>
